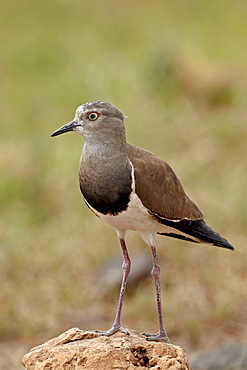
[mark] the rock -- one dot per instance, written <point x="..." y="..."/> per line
<point x="78" y="349"/>
<point x="229" y="357"/>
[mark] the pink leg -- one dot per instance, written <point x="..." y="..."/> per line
<point x="161" y="335"/>
<point x="126" y="269"/>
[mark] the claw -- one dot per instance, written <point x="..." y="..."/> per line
<point x="113" y="330"/>
<point x="157" y="337"/>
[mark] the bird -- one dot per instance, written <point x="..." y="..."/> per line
<point x="131" y="188"/>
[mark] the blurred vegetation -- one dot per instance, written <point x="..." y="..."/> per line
<point x="179" y="71"/>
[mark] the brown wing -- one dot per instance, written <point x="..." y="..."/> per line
<point x="159" y="188"/>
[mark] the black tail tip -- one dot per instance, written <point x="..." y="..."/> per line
<point x="224" y="244"/>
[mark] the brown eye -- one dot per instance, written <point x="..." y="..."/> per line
<point x="92" y="116"/>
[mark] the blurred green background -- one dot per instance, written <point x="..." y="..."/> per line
<point x="178" y="70"/>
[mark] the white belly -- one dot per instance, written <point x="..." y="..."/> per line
<point x="136" y="218"/>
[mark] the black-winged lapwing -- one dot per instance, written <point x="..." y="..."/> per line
<point x="133" y="189"/>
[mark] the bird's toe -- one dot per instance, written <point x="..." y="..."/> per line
<point x="114" y="329"/>
<point x="160" y="336"/>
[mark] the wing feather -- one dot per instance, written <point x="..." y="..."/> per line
<point x="158" y="187"/>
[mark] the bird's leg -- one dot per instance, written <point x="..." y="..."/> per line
<point x="126" y="269"/>
<point x="161" y="335"/>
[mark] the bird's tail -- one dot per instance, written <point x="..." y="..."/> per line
<point x="197" y="231"/>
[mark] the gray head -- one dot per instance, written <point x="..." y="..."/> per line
<point x="96" y="121"/>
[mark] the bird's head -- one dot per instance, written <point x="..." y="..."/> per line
<point x="98" y="119"/>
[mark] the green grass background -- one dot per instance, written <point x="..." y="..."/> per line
<point x="178" y="70"/>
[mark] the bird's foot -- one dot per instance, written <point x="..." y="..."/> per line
<point x="113" y="330"/>
<point x="161" y="335"/>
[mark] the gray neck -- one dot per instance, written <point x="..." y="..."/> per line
<point x="105" y="173"/>
<point x="104" y="145"/>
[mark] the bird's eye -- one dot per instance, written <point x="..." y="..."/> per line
<point x="92" y="116"/>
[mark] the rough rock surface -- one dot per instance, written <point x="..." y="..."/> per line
<point x="78" y="349"/>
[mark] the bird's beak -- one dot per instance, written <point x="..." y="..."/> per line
<point x="66" y="128"/>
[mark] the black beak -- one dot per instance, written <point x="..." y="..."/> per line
<point x="66" y="128"/>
